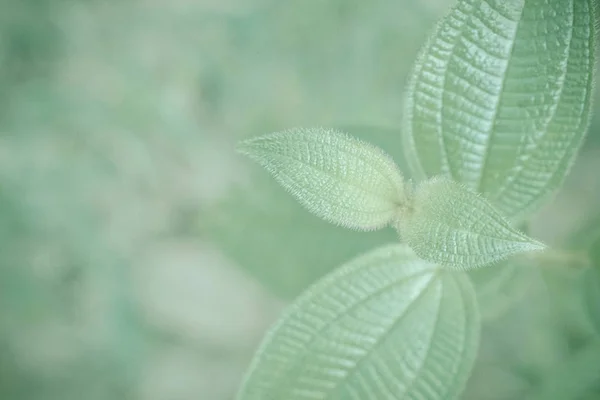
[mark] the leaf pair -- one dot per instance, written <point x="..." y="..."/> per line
<point x="356" y="185"/>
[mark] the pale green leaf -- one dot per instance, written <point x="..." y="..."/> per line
<point x="384" y="326"/>
<point x="385" y="137"/>
<point x="339" y="178"/>
<point x="288" y="249"/>
<point x="451" y="225"/>
<point x="500" y="98"/>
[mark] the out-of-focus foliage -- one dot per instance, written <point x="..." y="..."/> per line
<point x="139" y="259"/>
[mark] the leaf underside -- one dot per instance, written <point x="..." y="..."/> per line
<point x="384" y="326"/>
<point x="340" y="179"/>
<point x="500" y="98"/>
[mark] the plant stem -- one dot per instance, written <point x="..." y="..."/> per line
<point x="561" y="258"/>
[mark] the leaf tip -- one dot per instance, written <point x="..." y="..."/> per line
<point x="535" y="246"/>
<point x="256" y="148"/>
<point x="246" y="146"/>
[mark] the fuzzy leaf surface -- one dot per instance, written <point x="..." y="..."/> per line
<point x="386" y="325"/>
<point x="451" y="225"/>
<point x="288" y="249"/>
<point x="339" y="178"/>
<point x="500" y="98"/>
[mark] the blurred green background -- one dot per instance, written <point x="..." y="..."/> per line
<point x="141" y="258"/>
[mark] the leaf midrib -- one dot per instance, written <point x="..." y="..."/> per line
<point x="393" y="202"/>
<point x="523" y="163"/>
<point x="294" y="367"/>
<point x="384" y="336"/>
<point x="492" y="133"/>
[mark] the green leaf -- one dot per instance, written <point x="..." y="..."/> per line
<point x="451" y="225"/>
<point x="288" y="249"/>
<point x="500" y="98"/>
<point x="387" y="325"/>
<point x="384" y="137"/>
<point x="340" y="179"/>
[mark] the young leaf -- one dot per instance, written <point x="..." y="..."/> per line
<point x="288" y="249"/>
<point x="500" y="98"/>
<point x="451" y="225"/>
<point x="384" y="137"/>
<point x="384" y="326"/>
<point x="341" y="179"/>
